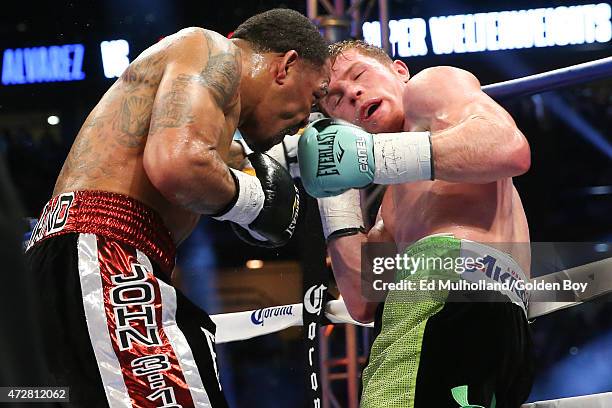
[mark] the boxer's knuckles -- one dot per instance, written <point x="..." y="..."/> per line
<point x="334" y="156"/>
<point x="276" y="222"/>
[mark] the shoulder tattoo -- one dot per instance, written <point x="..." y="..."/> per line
<point x="221" y="74"/>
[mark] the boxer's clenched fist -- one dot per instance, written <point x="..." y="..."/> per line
<point x="335" y="156"/>
<point x="265" y="209"/>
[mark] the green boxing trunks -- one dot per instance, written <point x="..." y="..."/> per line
<point x="449" y="347"/>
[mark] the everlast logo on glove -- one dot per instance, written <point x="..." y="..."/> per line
<point x="334" y="156"/>
<point x="296" y="211"/>
<point x="326" y="165"/>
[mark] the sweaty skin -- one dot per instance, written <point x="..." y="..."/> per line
<point x="477" y="149"/>
<point x="162" y="132"/>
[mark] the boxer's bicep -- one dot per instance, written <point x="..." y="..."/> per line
<point x="194" y="93"/>
<point x="185" y="110"/>
<point x="474" y="139"/>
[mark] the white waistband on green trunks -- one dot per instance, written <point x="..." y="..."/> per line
<point x="499" y="268"/>
<point x="499" y="271"/>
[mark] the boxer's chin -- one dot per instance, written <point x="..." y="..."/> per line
<point x="254" y="142"/>
<point x="385" y="124"/>
<point x="262" y="146"/>
<point x="375" y="126"/>
<point x="261" y="141"/>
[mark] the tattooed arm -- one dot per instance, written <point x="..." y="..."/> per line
<point x="188" y="122"/>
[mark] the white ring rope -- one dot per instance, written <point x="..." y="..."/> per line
<point x="597" y="276"/>
<point x="603" y="400"/>
<point x="252" y="323"/>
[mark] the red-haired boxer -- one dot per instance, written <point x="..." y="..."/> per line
<point x="448" y="153"/>
<point x="150" y="160"/>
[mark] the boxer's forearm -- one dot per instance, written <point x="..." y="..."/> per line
<point x="343" y="228"/>
<point x="479" y="150"/>
<point x="196" y="179"/>
<point x="345" y="253"/>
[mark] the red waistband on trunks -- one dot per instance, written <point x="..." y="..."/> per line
<point x="111" y="215"/>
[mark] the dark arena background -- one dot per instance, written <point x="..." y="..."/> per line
<point x="567" y="193"/>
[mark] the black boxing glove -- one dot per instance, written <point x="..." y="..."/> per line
<point x="265" y="210"/>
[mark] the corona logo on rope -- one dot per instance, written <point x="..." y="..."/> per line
<point x="259" y="316"/>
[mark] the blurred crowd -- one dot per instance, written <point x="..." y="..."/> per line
<point x="34" y="159"/>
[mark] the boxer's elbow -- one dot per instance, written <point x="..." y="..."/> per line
<point x="361" y="311"/>
<point x="364" y="317"/>
<point x="518" y="154"/>
<point x="507" y="150"/>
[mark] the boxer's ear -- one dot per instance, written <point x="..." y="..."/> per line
<point x="401" y="69"/>
<point x="287" y="61"/>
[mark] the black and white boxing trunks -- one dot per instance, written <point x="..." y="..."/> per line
<point x="114" y="329"/>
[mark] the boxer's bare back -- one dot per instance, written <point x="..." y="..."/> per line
<point x="109" y="149"/>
